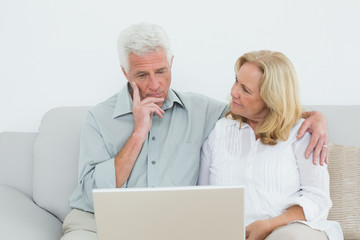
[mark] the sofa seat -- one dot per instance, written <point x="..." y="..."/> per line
<point x="22" y="219"/>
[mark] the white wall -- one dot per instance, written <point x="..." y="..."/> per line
<point x="63" y="52"/>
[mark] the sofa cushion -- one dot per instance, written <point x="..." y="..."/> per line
<point x="56" y="156"/>
<point x="21" y="218"/>
<point x="17" y="160"/>
<point x="344" y="169"/>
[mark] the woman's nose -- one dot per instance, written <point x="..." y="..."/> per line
<point x="235" y="93"/>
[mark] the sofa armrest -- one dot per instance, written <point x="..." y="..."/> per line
<point x="21" y="218"/>
<point x="17" y="160"/>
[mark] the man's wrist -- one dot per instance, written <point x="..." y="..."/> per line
<point x="139" y="136"/>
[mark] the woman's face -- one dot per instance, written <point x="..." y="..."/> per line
<point x="245" y="93"/>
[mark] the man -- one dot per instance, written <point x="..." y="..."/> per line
<point x="147" y="135"/>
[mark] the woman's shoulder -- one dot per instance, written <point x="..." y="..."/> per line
<point x="220" y="126"/>
<point x="226" y="121"/>
<point x="295" y="129"/>
<point x="297" y="125"/>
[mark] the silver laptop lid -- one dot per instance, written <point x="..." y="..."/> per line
<point x="180" y="213"/>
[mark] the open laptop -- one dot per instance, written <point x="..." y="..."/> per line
<point x="177" y="213"/>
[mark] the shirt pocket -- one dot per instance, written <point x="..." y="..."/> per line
<point x="185" y="161"/>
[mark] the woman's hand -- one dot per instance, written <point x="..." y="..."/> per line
<point x="258" y="230"/>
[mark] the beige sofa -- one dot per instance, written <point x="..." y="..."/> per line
<point x="38" y="172"/>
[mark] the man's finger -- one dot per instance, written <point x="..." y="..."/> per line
<point x="152" y="100"/>
<point x="136" y="94"/>
<point x="304" y="127"/>
<point x="323" y="156"/>
<point x="154" y="109"/>
<point x="159" y="113"/>
<point x="317" y="151"/>
<point x="327" y="157"/>
<point x="313" y="141"/>
<point x="324" y="152"/>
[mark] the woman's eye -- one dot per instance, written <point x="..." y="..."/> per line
<point x="245" y="90"/>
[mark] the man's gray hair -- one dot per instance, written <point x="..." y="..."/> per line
<point x="141" y="39"/>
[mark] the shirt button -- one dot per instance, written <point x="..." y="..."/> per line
<point x="153" y="162"/>
<point x="153" y="138"/>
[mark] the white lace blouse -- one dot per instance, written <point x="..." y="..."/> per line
<point x="275" y="177"/>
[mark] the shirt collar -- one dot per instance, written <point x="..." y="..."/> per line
<point x="230" y="121"/>
<point x="124" y="102"/>
<point x="171" y="100"/>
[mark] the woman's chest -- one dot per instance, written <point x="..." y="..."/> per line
<point x="248" y="162"/>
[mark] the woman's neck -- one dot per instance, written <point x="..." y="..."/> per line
<point x="252" y="123"/>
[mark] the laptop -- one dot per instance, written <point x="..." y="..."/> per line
<point x="174" y="213"/>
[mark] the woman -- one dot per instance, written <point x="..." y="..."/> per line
<point x="255" y="145"/>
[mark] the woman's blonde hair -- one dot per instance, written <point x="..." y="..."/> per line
<point x="279" y="90"/>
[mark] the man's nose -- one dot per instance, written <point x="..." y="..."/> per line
<point x="154" y="83"/>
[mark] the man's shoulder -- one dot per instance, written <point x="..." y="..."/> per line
<point x="192" y="95"/>
<point x="106" y="106"/>
<point x="192" y="98"/>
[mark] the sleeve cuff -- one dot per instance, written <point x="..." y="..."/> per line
<point x="307" y="206"/>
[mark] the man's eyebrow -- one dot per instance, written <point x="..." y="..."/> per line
<point x="140" y="72"/>
<point x="161" y="69"/>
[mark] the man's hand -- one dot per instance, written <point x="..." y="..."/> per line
<point x="258" y="230"/>
<point x="143" y="111"/>
<point x="316" y="124"/>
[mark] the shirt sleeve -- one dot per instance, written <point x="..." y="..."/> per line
<point x="96" y="166"/>
<point x="314" y="195"/>
<point x="205" y="163"/>
<point x="215" y="111"/>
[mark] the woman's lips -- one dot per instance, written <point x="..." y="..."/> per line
<point x="236" y="104"/>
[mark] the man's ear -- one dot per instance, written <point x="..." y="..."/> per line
<point x="125" y="74"/>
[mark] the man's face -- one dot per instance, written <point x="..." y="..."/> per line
<point x="151" y="73"/>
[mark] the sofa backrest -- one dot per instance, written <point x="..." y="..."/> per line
<point x="343" y="122"/>
<point x="56" y="154"/>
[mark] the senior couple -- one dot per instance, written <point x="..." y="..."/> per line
<point x="149" y="135"/>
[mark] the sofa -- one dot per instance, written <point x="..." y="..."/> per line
<point x="38" y="172"/>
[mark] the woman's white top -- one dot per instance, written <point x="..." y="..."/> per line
<point x="275" y="177"/>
